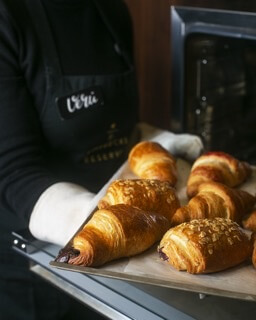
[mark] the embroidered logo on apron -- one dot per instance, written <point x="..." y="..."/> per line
<point x="74" y="104"/>
<point x="112" y="149"/>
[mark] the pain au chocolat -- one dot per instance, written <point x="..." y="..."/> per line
<point x="205" y="245"/>
<point x="146" y="194"/>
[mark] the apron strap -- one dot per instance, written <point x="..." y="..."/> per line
<point x="48" y="47"/>
<point x="39" y="17"/>
<point x="108" y="22"/>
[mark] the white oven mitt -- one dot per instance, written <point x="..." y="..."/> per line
<point x="63" y="207"/>
<point x="60" y="211"/>
<point x="186" y="146"/>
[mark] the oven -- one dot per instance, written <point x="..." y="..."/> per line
<point x="213" y="54"/>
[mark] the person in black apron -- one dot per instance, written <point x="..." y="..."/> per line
<point x="81" y="126"/>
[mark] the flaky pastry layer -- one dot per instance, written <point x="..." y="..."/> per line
<point x="146" y="194"/>
<point x="205" y="245"/>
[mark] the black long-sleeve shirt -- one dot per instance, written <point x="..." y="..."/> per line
<point x="84" y="46"/>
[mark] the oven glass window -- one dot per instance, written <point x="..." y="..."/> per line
<point x="220" y="93"/>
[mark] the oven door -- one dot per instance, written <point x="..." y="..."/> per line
<point x="214" y="67"/>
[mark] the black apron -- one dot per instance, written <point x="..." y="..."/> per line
<point x="89" y="120"/>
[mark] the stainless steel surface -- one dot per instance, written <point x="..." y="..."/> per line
<point x="119" y="299"/>
<point x="113" y="298"/>
<point x="78" y="294"/>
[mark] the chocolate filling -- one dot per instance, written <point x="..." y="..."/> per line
<point x="66" y="254"/>
<point x="162" y="255"/>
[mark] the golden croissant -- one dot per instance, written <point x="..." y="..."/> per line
<point x="217" y="166"/>
<point x="149" y="160"/>
<point x="146" y="194"/>
<point x="216" y="200"/>
<point x="205" y="245"/>
<point x="112" y="233"/>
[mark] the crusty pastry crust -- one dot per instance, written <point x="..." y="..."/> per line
<point x="216" y="200"/>
<point x="249" y="221"/>
<point x="112" y="233"/>
<point x="146" y="194"/>
<point x="205" y="245"/>
<point x="149" y="160"/>
<point x="217" y="166"/>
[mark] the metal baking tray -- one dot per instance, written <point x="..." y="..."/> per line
<point x="238" y="282"/>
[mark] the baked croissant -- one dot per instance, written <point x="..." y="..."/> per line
<point x="119" y="231"/>
<point x="249" y="222"/>
<point x="216" y="200"/>
<point x="219" y="167"/>
<point x="205" y="245"/>
<point x="146" y="194"/>
<point x="149" y="160"/>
